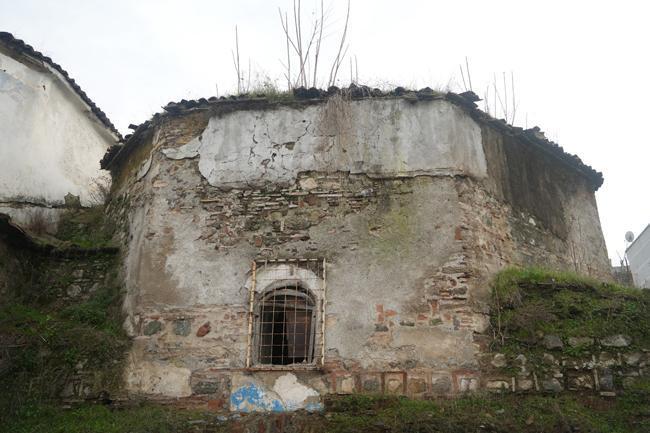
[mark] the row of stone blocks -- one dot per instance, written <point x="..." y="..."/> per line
<point x="416" y="384"/>
<point x="209" y="386"/>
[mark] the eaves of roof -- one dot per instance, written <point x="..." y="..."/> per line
<point x="301" y="96"/>
<point x="23" y="48"/>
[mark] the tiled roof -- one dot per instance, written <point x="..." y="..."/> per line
<point x="21" y="47"/>
<point x="467" y="101"/>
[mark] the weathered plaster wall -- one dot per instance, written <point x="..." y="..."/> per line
<point x="50" y="143"/>
<point x="411" y="240"/>
<point x="382" y="138"/>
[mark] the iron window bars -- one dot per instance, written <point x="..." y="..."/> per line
<point x="286" y="318"/>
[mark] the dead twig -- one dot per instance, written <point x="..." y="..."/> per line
<point x="469" y="77"/>
<point x="341" y="52"/>
<point x="235" y="59"/>
<point x="318" y="42"/>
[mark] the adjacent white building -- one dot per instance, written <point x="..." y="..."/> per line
<point x="638" y="254"/>
<point x="52" y="136"/>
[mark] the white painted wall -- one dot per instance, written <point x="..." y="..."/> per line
<point x="638" y="255"/>
<point x="50" y="141"/>
<point x="379" y="137"/>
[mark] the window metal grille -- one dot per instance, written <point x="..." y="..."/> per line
<point x="286" y="317"/>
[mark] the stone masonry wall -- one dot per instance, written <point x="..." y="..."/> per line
<point x="409" y="260"/>
<point x="552" y="214"/>
<point x="607" y="366"/>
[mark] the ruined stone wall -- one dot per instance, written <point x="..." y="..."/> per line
<point x="552" y="213"/>
<point x="410" y="243"/>
<point x="607" y="366"/>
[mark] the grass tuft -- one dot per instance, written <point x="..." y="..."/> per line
<point x="86" y="228"/>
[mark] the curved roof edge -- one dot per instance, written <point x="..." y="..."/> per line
<point x="21" y="47"/>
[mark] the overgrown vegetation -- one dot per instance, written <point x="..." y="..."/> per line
<point x="267" y="88"/>
<point x="369" y="414"/>
<point x="45" y="350"/>
<point x="57" y="338"/>
<point x="530" y="303"/>
<point x="507" y="413"/>
<point x="86" y="228"/>
<point x="101" y="419"/>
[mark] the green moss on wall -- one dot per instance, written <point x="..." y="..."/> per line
<point x="528" y="304"/>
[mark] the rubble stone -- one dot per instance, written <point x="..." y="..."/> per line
<point x="152" y="327"/>
<point x="440" y="384"/>
<point x="618" y="340"/>
<point x="182" y="327"/>
<point x="552" y="385"/>
<point x="552" y="342"/>
<point x="580" y="341"/>
<point x="497" y="385"/>
<point x="499" y="360"/>
<point x="633" y="358"/>
<point x="606" y="379"/>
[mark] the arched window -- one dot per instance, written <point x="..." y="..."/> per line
<point x="286" y="326"/>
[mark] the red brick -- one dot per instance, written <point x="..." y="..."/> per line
<point x="216" y="404"/>
<point x="203" y="330"/>
<point x="390" y="313"/>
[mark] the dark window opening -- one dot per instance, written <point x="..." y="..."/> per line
<point x="286" y="327"/>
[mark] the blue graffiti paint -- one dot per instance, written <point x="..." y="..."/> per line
<point x="277" y="406"/>
<point x="314" y="407"/>
<point x="251" y="398"/>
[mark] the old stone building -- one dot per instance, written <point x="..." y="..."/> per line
<point x="278" y="250"/>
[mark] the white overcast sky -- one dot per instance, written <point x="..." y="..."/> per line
<point x="581" y="68"/>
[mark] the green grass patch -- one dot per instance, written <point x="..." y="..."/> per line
<point x="45" y="351"/>
<point x="100" y="419"/>
<point x="45" y="345"/>
<point x="102" y="311"/>
<point x="530" y="303"/>
<point x="368" y="414"/>
<point x="489" y="413"/>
